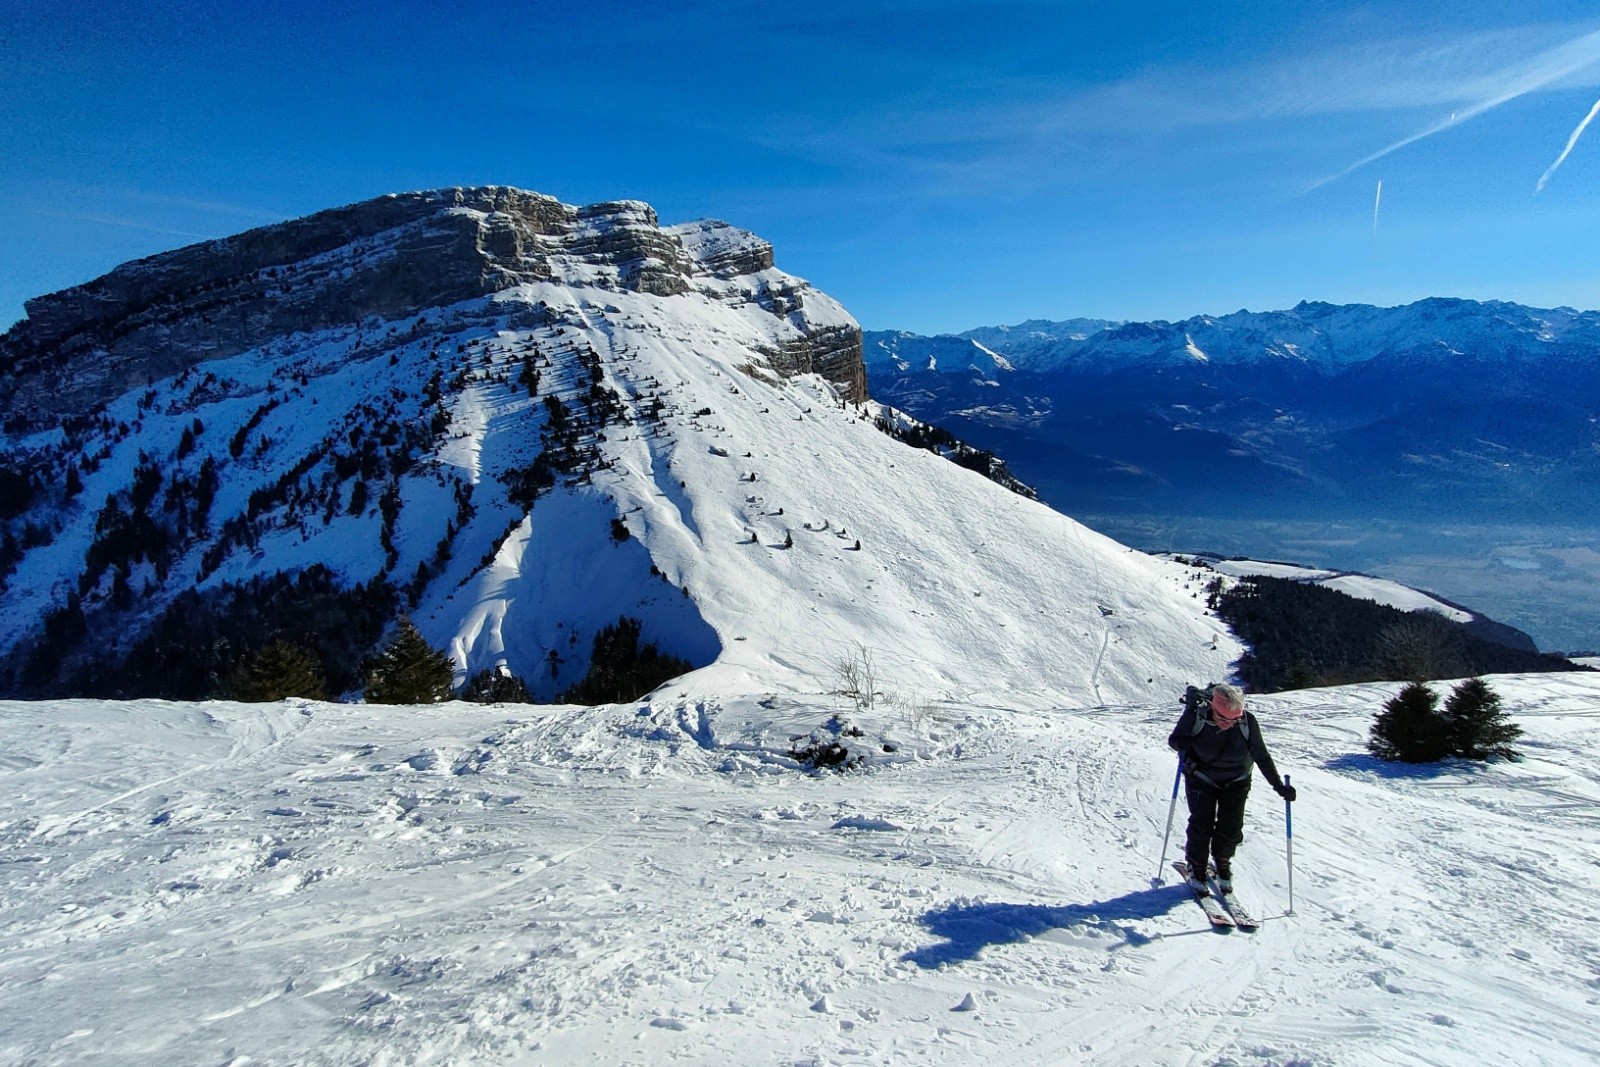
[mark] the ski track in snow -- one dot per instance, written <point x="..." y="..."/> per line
<point x="655" y="882"/>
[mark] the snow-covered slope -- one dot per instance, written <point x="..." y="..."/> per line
<point x="342" y="884"/>
<point x="958" y="585"/>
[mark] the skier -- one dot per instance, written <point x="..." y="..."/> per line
<point x="1218" y="745"/>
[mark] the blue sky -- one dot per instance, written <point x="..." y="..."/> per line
<point x="934" y="165"/>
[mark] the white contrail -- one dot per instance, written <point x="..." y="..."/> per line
<point x="1376" y="200"/>
<point x="1512" y="82"/>
<point x="1562" y="158"/>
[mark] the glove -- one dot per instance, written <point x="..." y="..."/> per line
<point x="1287" y="792"/>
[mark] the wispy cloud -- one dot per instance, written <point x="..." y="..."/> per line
<point x="213" y="207"/>
<point x="1550" y="67"/>
<point x="974" y="125"/>
<point x="1567" y="151"/>
<point x="188" y="204"/>
<point x="132" y="224"/>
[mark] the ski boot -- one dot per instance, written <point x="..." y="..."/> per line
<point x="1224" y="873"/>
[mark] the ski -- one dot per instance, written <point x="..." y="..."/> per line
<point x="1218" y="916"/>
<point x="1241" y="916"/>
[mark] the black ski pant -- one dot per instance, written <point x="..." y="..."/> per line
<point x="1216" y="819"/>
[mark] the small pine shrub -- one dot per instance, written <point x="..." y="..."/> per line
<point x="1410" y="727"/>
<point x="409" y="671"/>
<point x="277" y="671"/>
<point x="1477" y="725"/>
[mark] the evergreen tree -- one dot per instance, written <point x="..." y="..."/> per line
<point x="277" y="671"/>
<point x="492" y="687"/>
<point x="1478" y="726"/>
<point x="621" y="669"/>
<point x="409" y="671"/>
<point x="1410" y="728"/>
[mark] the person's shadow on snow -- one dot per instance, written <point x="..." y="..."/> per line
<point x="968" y="929"/>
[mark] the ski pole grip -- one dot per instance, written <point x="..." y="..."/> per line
<point x="1288" y="808"/>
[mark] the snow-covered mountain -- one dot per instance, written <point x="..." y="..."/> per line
<point x="1444" y="406"/>
<point x="518" y="421"/>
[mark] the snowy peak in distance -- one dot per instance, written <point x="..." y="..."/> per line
<point x="939" y="354"/>
<point x="518" y="421"/>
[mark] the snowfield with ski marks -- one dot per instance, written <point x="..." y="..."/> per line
<point x="656" y="882"/>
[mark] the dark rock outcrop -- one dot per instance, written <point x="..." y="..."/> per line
<point x="833" y="352"/>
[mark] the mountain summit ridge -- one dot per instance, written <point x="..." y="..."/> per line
<point x="390" y="257"/>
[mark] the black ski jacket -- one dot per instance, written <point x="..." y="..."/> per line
<point x="1221" y="757"/>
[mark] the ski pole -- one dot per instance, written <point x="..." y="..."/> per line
<point x="1288" y="843"/>
<point x="1171" y="808"/>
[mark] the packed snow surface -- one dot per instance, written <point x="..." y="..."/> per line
<point x="656" y="882"/>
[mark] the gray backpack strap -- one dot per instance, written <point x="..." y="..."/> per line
<point x="1202" y="709"/>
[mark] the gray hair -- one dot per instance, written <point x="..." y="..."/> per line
<point x="1231" y="695"/>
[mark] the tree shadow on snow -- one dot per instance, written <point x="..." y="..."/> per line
<point x="1382" y="768"/>
<point x="968" y="929"/>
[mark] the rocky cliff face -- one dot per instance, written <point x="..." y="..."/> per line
<point x="388" y="258"/>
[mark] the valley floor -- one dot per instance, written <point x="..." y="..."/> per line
<point x="1542" y="579"/>
<point x="316" y="883"/>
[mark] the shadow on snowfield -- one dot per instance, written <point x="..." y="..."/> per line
<point x="1368" y="764"/>
<point x="968" y="929"/>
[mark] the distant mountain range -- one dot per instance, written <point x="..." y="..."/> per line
<point x="1442" y="408"/>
